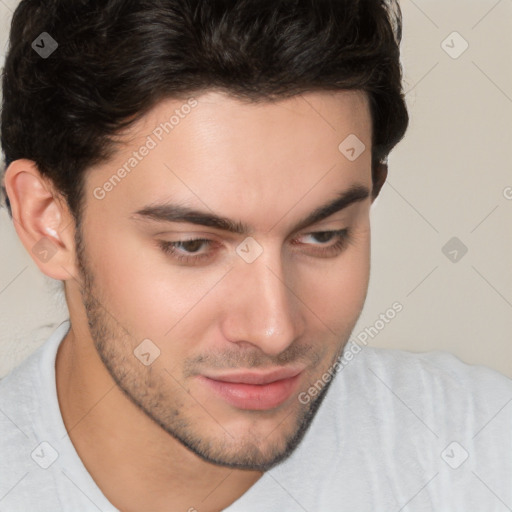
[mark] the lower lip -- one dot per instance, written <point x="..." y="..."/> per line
<point x="252" y="396"/>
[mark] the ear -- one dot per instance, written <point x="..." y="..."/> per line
<point x="379" y="175"/>
<point x="42" y="219"/>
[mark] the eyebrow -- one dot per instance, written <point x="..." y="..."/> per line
<point x="168" y="212"/>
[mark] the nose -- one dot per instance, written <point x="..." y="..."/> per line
<point x="263" y="310"/>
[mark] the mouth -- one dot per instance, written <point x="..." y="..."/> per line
<point x="255" y="391"/>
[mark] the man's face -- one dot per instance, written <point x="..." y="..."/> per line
<point x="287" y="298"/>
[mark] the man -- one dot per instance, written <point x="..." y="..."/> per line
<point x="199" y="175"/>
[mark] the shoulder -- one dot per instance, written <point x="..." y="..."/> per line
<point x="28" y="398"/>
<point x="19" y="404"/>
<point x="19" y="417"/>
<point x="436" y="384"/>
<point x="432" y="368"/>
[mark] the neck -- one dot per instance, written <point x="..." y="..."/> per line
<point x="135" y="463"/>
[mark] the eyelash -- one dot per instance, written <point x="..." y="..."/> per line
<point x="344" y="237"/>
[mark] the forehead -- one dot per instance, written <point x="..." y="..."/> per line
<point x="213" y="149"/>
<point x="312" y="115"/>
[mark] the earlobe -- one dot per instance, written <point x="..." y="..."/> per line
<point x="39" y="217"/>
<point x="379" y="174"/>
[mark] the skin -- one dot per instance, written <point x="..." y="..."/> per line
<point x="154" y="435"/>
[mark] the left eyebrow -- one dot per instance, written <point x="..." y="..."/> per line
<point x="169" y="212"/>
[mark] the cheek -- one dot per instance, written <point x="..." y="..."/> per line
<point x="336" y="293"/>
<point x="135" y="284"/>
<point x="152" y="298"/>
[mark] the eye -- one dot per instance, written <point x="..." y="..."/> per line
<point x="191" y="247"/>
<point x="341" y="239"/>
<point x="189" y="251"/>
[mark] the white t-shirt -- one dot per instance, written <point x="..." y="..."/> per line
<point x="397" y="431"/>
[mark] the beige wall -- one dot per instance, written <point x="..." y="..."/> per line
<point x="450" y="177"/>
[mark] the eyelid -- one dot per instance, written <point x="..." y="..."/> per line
<point x="214" y="238"/>
<point x="322" y="226"/>
<point x="343" y="237"/>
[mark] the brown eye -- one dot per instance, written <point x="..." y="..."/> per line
<point x="340" y="237"/>
<point x="186" y="250"/>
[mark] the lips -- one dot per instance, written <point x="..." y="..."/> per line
<point x="254" y="391"/>
<point x="257" y="378"/>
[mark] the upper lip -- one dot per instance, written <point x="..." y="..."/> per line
<point x="257" y="377"/>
